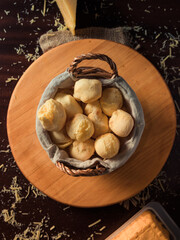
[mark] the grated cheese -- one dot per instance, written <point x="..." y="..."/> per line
<point x="15" y="188"/>
<point x="6" y="12"/>
<point x="5" y="151"/>
<point x="4" y="238"/>
<point x="129" y="8"/>
<point x="147" y="11"/>
<point x="97" y="233"/>
<point x="20" y="49"/>
<point x="33" y="231"/>
<point x="52" y="228"/>
<point x="32" y="21"/>
<point x="10" y="79"/>
<point x="29" y="189"/>
<point x="101" y="229"/>
<point x="44" y="9"/>
<point x="92" y="224"/>
<point x="59" y="235"/>
<point x="64" y="209"/>
<point x="32" y="7"/>
<point x="1" y="166"/>
<point x="91" y="237"/>
<point x="157" y="35"/>
<point x="9" y="217"/>
<point x="19" y="19"/>
<point x="160" y="183"/>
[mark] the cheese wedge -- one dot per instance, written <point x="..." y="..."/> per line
<point x="68" y="10"/>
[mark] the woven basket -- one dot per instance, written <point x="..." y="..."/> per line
<point x="98" y="167"/>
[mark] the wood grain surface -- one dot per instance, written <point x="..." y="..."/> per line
<point x="123" y="183"/>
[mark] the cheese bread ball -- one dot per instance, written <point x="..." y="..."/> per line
<point x="70" y="105"/>
<point x="101" y="123"/>
<point x="52" y="115"/>
<point x="80" y="128"/>
<point x="121" y="123"/>
<point x="64" y="145"/>
<point x="111" y="100"/>
<point x="91" y="107"/>
<point x="82" y="150"/>
<point x="87" y="90"/>
<point x="60" y="138"/>
<point x="107" y="145"/>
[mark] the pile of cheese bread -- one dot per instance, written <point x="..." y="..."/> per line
<point x="87" y="120"/>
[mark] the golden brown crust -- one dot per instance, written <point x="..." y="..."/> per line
<point x="69" y="103"/>
<point x="101" y="123"/>
<point x="87" y="90"/>
<point x="91" y="107"/>
<point x="121" y="123"/>
<point x="111" y="100"/>
<point x="107" y="145"/>
<point x="80" y="128"/>
<point x="82" y="150"/>
<point x="52" y="115"/>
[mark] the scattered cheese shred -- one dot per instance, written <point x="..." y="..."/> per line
<point x="32" y="21"/>
<point x="29" y="189"/>
<point x="160" y="183"/>
<point x="8" y="150"/>
<point x="64" y="209"/>
<point x="59" y="25"/>
<point x="97" y="233"/>
<point x="32" y="7"/>
<point x="157" y="36"/>
<point x="6" y="12"/>
<point x="4" y="238"/>
<point x="52" y="1"/>
<point x="9" y="217"/>
<point x="15" y="188"/>
<point x="91" y="237"/>
<point x="44" y="8"/>
<point x="170" y="52"/>
<point x="1" y="166"/>
<point x="163" y="61"/>
<point x="129" y="7"/>
<point x="30" y="233"/>
<point x="101" y="229"/>
<point x="52" y="228"/>
<point x="20" y="49"/>
<point x="59" y="235"/>
<point x="34" y="193"/>
<point x="92" y="224"/>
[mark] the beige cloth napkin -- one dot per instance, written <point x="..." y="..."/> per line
<point x="54" y="39"/>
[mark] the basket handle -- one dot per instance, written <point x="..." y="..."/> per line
<point x="98" y="170"/>
<point x="92" y="72"/>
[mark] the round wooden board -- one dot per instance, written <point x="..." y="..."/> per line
<point x="142" y="167"/>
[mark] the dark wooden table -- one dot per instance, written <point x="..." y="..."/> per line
<point x="153" y="29"/>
